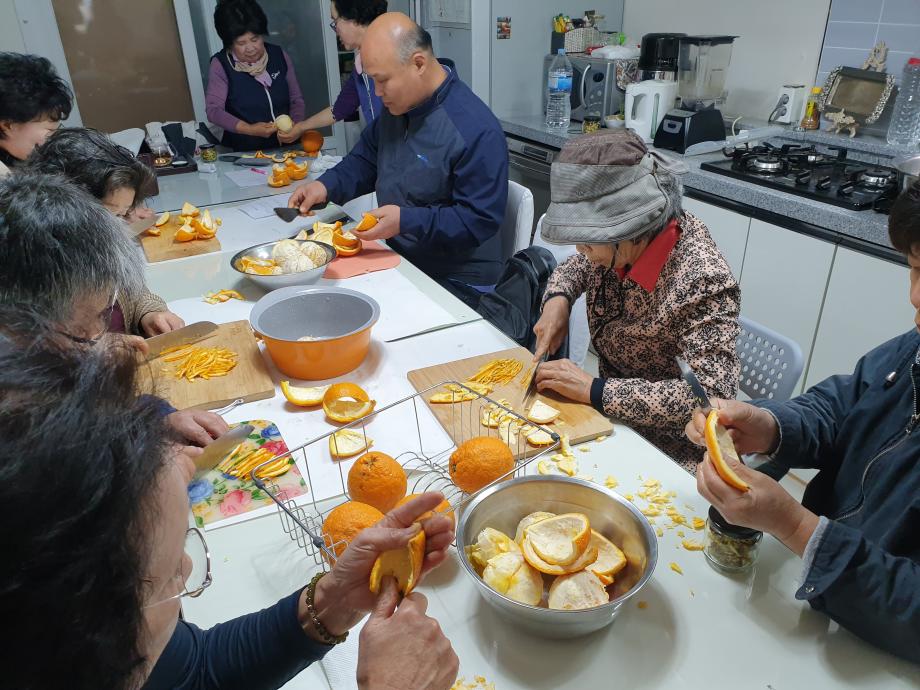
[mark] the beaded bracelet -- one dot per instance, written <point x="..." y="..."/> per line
<point x="320" y="629"/>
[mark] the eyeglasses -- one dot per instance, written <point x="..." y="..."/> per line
<point x="105" y="316"/>
<point x="334" y="23"/>
<point x="199" y="577"/>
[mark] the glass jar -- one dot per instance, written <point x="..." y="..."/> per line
<point x="591" y="123"/>
<point x="208" y="153"/>
<point x="730" y="548"/>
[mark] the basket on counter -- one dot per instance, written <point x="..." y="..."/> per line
<point x="579" y="40"/>
<point x="425" y="462"/>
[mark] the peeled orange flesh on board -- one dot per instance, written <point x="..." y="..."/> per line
<point x="186" y="233"/>
<point x="720" y="446"/>
<point x="347" y="402"/>
<point x="303" y="397"/>
<point x="189" y="210"/>
<point x="404" y="564"/>
<point x="509" y="574"/>
<point x="367" y="222"/>
<point x="162" y="220"/>
<point x="560" y="540"/>
<point x="154" y="231"/>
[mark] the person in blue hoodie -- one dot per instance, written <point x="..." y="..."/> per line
<point x="436" y="157"/>
<point x="856" y="528"/>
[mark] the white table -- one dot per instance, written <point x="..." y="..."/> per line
<point x="701" y="629"/>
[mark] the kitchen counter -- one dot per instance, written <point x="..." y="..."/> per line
<point x="864" y="231"/>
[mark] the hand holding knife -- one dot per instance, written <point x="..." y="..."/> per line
<point x="699" y="393"/>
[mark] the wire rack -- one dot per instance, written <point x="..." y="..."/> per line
<point x="424" y="460"/>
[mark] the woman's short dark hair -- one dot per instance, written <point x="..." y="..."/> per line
<point x="233" y="18"/>
<point x="904" y="221"/>
<point x="361" y="12"/>
<point x="81" y="457"/>
<point x="30" y="88"/>
<point x="92" y="161"/>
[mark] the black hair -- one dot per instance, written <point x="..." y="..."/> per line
<point x="81" y="457"/>
<point x="30" y="88"/>
<point x="233" y="18"/>
<point x="414" y="40"/>
<point x="58" y="244"/>
<point x="904" y="221"/>
<point x="361" y="12"/>
<point x="92" y="161"/>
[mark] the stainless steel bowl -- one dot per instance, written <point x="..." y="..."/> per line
<point x="503" y="506"/>
<point x="264" y="251"/>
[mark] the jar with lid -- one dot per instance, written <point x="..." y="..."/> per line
<point x="730" y="548"/>
<point x="812" y="118"/>
<point x="208" y="153"/>
<point x="591" y="123"/>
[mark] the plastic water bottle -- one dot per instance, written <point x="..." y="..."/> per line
<point x="559" y="92"/>
<point x="904" y="129"/>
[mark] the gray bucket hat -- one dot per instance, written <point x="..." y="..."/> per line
<point x="605" y="188"/>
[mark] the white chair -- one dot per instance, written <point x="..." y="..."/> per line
<point x="579" y="335"/>
<point x="518" y="223"/>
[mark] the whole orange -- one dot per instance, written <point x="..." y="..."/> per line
<point x="480" y="461"/>
<point x="443" y="508"/>
<point x="344" y="522"/>
<point x="378" y="480"/>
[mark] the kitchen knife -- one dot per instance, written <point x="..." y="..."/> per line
<point x="218" y="449"/>
<point x="531" y="389"/>
<point x="289" y="214"/>
<point x="699" y="393"/>
<point x="181" y="336"/>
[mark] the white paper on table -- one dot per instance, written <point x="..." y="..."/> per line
<point x="264" y="207"/>
<point x="247" y="177"/>
<point x="341" y="664"/>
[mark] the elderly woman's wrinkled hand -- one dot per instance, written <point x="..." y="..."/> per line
<point x="552" y="326"/>
<point x="347" y="583"/>
<point x="766" y="506"/>
<point x="752" y="429"/>
<point x="564" y="377"/>
<point x="197" y="427"/>
<point x="401" y="647"/>
<point x="159" y="322"/>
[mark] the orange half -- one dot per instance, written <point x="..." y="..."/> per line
<point x="720" y="445"/>
<point x="404" y="564"/>
<point x="347" y="402"/>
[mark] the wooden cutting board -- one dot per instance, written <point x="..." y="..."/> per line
<point x="164" y="247"/>
<point x="581" y="422"/>
<point x="248" y="380"/>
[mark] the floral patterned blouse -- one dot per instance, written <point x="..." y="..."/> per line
<point x="692" y="312"/>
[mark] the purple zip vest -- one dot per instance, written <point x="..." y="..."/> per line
<point x="247" y="99"/>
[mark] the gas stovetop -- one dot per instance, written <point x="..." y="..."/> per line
<point x="807" y="172"/>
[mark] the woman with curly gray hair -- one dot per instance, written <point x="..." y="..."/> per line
<point x="656" y="287"/>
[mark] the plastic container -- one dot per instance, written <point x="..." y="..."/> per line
<point x="812" y="117"/>
<point x="730" y="548"/>
<point x="904" y="129"/>
<point x="559" y="92"/>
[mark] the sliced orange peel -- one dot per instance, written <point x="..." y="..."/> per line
<point x="200" y="362"/>
<point x="239" y="465"/>
<point x="720" y="446"/>
<point x="219" y="296"/>
<point x="347" y="402"/>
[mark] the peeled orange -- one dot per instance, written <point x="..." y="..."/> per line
<point x="511" y="575"/>
<point x="303" y="397"/>
<point x="404" y="564"/>
<point x="720" y="446"/>
<point x="162" y="220"/>
<point x="489" y="544"/>
<point x="189" y="210"/>
<point x="346" y="402"/>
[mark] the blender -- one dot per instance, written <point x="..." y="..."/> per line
<point x="701" y="72"/>
<point x="655" y="94"/>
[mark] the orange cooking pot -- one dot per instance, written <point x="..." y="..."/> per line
<point x="315" y="333"/>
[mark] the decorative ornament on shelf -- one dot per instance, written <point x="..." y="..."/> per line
<point x="841" y="122"/>
<point x="877" y="58"/>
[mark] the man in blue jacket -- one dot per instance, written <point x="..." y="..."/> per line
<point x="436" y="157"/>
<point x="857" y="526"/>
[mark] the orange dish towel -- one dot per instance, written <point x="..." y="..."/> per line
<point x="373" y="257"/>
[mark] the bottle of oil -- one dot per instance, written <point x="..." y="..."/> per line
<point x="812" y="118"/>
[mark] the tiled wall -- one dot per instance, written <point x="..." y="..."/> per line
<point x="855" y="26"/>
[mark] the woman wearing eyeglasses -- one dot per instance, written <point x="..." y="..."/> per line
<point x="98" y="555"/>
<point x="350" y="19"/>
<point x="250" y="82"/>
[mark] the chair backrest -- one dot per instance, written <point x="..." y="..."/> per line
<point x="518" y="224"/>
<point x="771" y="363"/>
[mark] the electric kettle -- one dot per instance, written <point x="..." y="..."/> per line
<point x="646" y="105"/>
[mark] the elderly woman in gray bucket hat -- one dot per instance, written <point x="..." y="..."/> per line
<point x="655" y="283"/>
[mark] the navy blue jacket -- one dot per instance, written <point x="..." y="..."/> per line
<point x="445" y="164"/>
<point x="260" y="650"/>
<point x="862" y="434"/>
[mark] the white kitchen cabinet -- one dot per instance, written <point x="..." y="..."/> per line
<point x="729" y="230"/>
<point x="783" y="281"/>
<point x="867" y="303"/>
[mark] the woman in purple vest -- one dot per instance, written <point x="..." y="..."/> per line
<point x="350" y="19"/>
<point x="250" y="82"/>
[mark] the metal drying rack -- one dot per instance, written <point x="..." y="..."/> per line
<point x="425" y="466"/>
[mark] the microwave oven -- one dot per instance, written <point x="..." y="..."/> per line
<point x="594" y="86"/>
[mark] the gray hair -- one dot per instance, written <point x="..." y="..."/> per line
<point x="58" y="244"/>
<point x="411" y="41"/>
<point x="673" y="190"/>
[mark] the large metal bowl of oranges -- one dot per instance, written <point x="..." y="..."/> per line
<point x="557" y="556"/>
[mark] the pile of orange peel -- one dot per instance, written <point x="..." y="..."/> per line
<point x="200" y="362"/>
